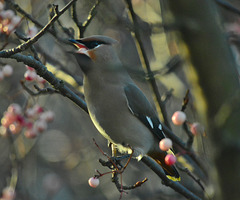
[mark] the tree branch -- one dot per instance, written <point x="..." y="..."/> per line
<point x="174" y="185"/>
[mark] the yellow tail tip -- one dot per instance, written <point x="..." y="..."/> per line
<point x="173" y="178"/>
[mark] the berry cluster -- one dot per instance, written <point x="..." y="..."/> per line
<point x="31" y="75"/>
<point x="179" y="117"/>
<point x="165" y="145"/>
<point x="8" y="20"/>
<point x="5" y="71"/>
<point x="32" y="121"/>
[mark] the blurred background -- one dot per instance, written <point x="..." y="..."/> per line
<point x="57" y="163"/>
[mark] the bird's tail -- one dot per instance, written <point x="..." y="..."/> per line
<point x="170" y="171"/>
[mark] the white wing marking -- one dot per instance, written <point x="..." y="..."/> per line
<point x="149" y="121"/>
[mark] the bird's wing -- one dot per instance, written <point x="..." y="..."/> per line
<point x="140" y="107"/>
<point x="143" y="110"/>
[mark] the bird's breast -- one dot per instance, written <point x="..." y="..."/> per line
<point x="108" y="109"/>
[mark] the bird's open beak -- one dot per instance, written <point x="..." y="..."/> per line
<point x="82" y="49"/>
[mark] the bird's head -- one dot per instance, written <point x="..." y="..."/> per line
<point x="95" y="50"/>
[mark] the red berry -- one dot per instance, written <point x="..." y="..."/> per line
<point x="197" y="129"/>
<point x="14" y="108"/>
<point x="15" y="128"/>
<point x="93" y="182"/>
<point x="30" y="112"/>
<point x="30" y="75"/>
<point x="47" y="116"/>
<point x="16" y="20"/>
<point x="8" y="119"/>
<point x="40" y="79"/>
<point x="38" y="109"/>
<point x="170" y="159"/>
<point x="8" y="193"/>
<point x="178" y="118"/>
<point x="7" y="14"/>
<point x="165" y="144"/>
<point x="20" y="119"/>
<point x="29" y="125"/>
<point x="40" y="125"/>
<point x="7" y="70"/>
<point x="31" y="133"/>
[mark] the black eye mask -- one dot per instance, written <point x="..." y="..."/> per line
<point x="92" y="44"/>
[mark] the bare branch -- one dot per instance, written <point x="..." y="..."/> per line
<point x="82" y="26"/>
<point x="91" y="15"/>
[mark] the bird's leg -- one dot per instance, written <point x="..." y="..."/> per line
<point x="115" y="161"/>
<point x="114" y="150"/>
<point x="114" y="174"/>
<point x="114" y="154"/>
<point x="117" y="168"/>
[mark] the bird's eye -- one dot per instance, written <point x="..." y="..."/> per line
<point x="93" y="44"/>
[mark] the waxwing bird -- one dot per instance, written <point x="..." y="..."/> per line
<point x="118" y="108"/>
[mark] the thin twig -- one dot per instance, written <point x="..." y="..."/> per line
<point x="185" y="126"/>
<point x="74" y="15"/>
<point x="189" y="134"/>
<point x="197" y="180"/>
<point x="185" y="101"/>
<point x="90" y="17"/>
<point x="82" y="26"/>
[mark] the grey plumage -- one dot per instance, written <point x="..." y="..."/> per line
<point x="117" y="107"/>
